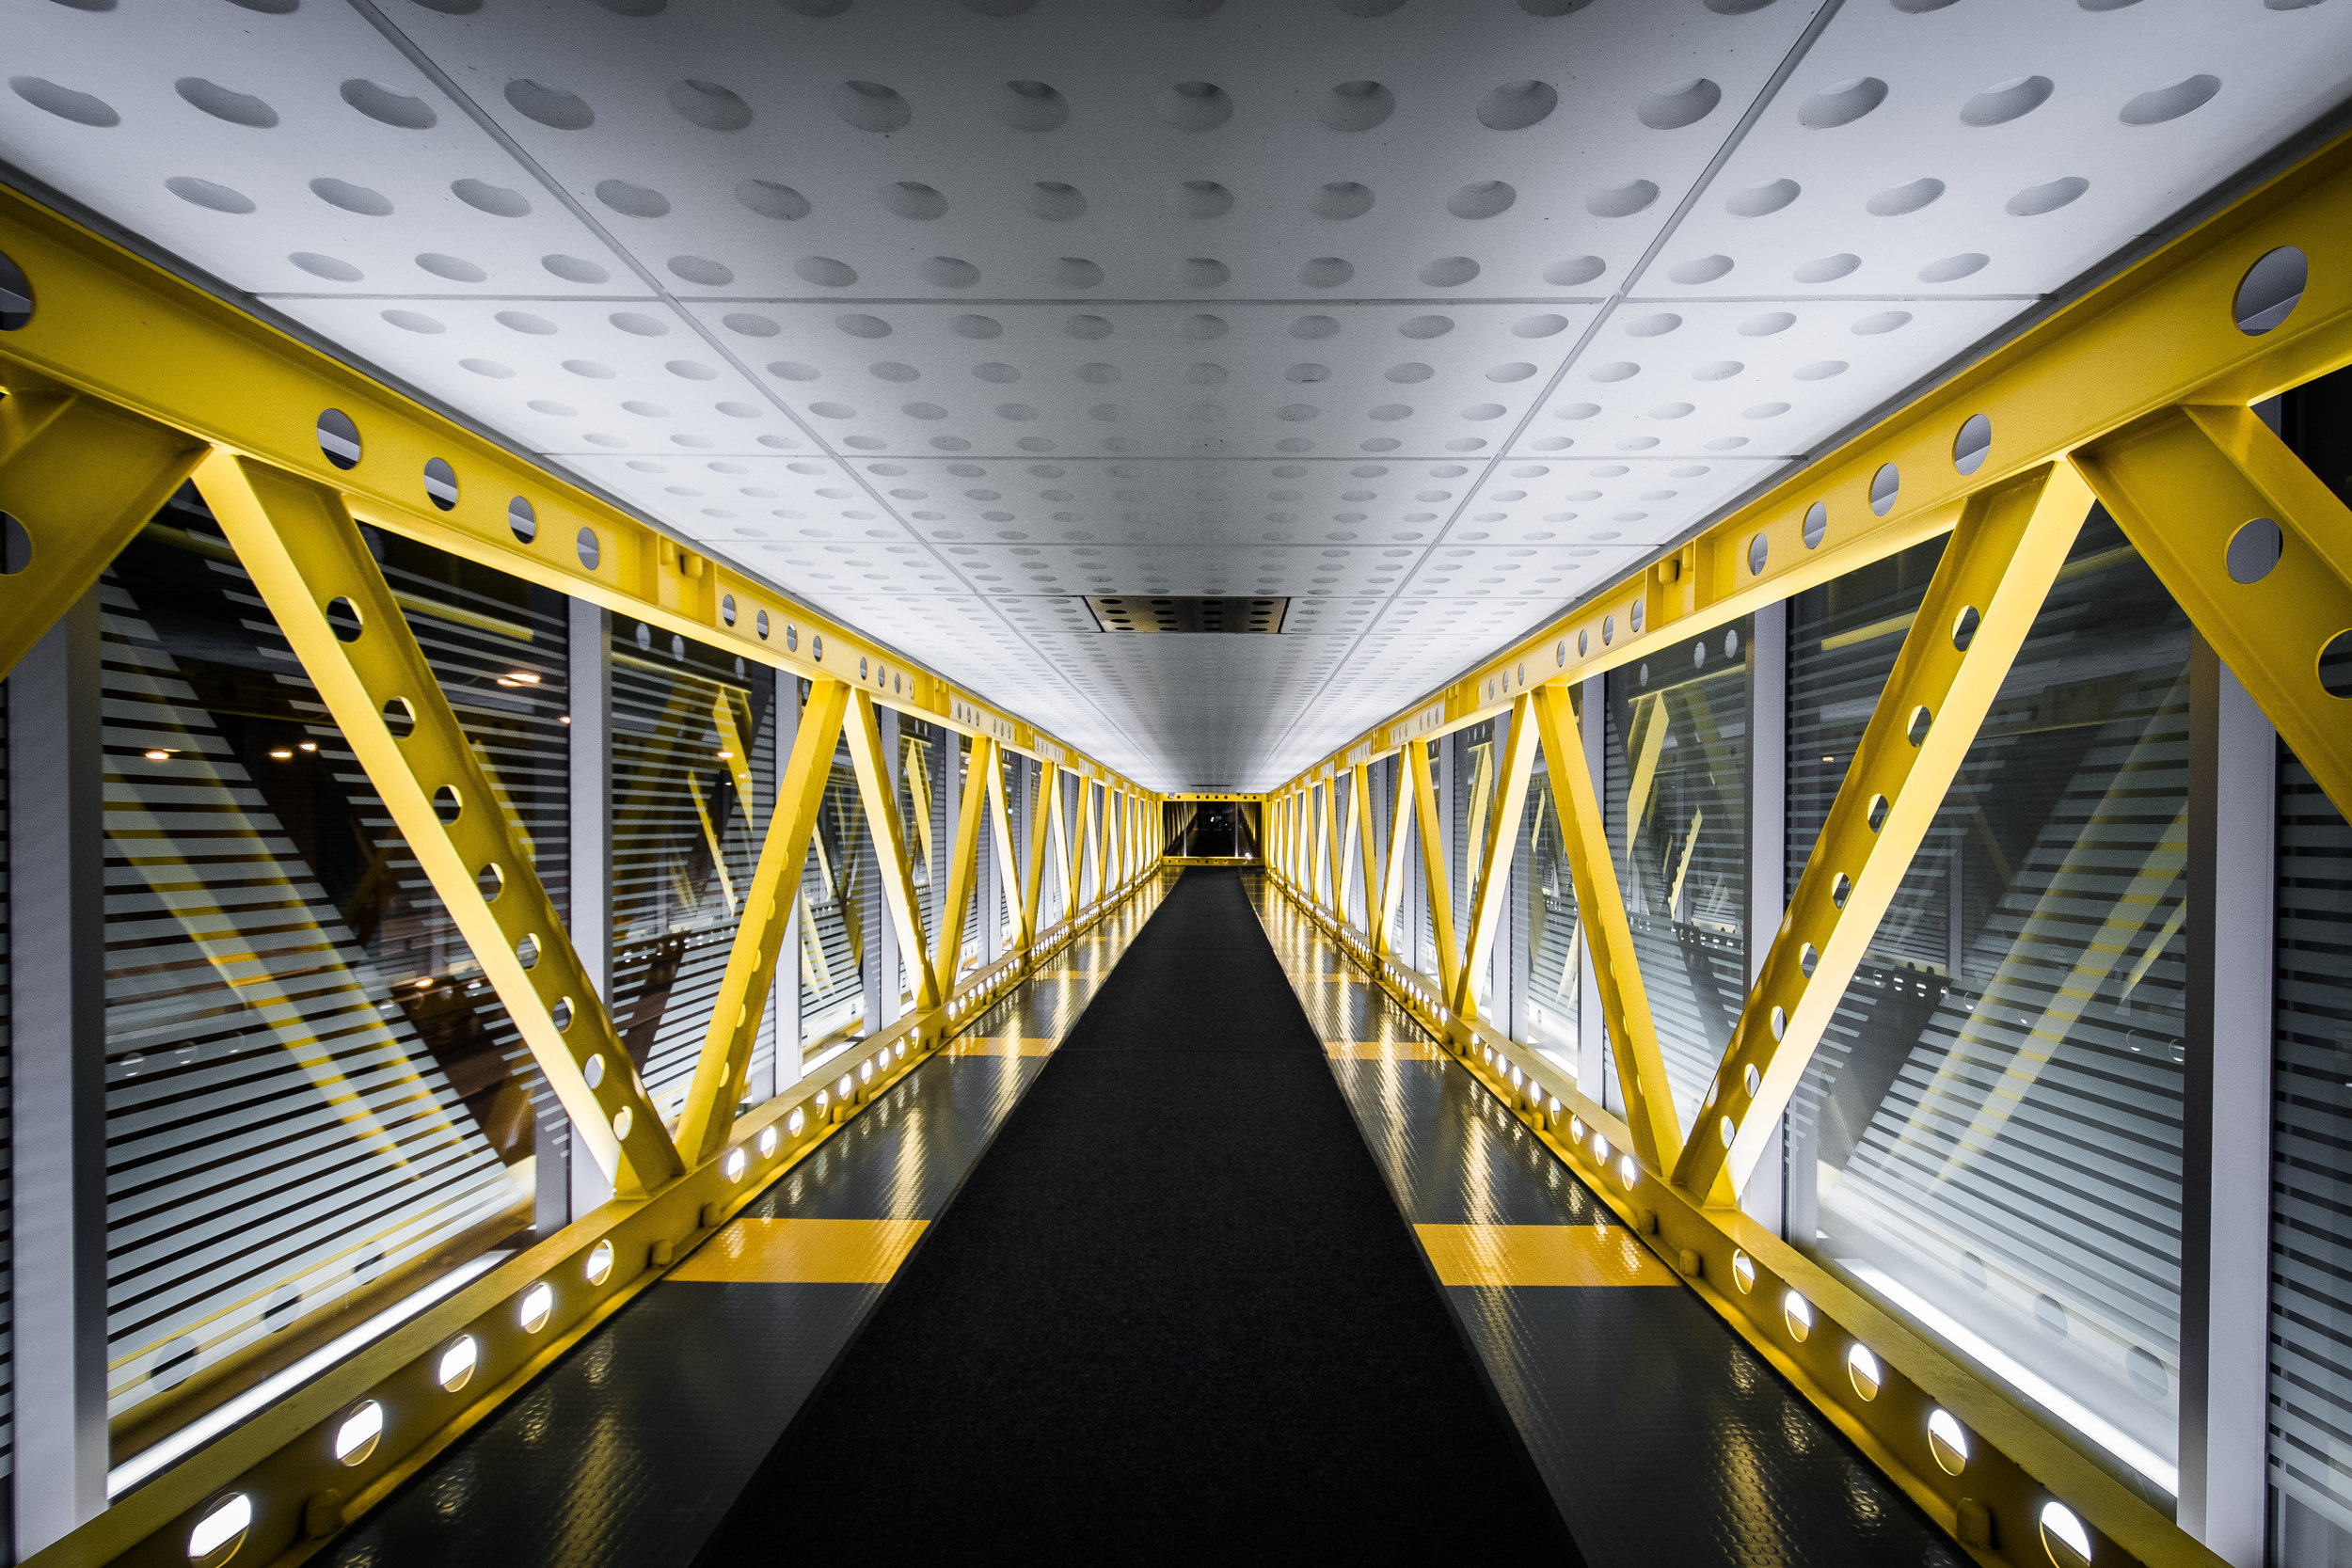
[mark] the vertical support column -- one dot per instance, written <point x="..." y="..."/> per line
<point x="1765" y="1199"/>
<point x="2225" y="1174"/>
<point x="1591" y="1029"/>
<point x="590" y="678"/>
<point x="56" y="866"/>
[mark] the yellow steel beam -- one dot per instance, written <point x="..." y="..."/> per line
<point x="752" y="958"/>
<point x="2162" y="333"/>
<point x="1494" y="860"/>
<point x="123" y="332"/>
<point x="1432" y="868"/>
<point x="970" y="823"/>
<point x="80" y="478"/>
<point x="2258" y="551"/>
<point x="864" y="730"/>
<point x="312" y="569"/>
<point x="1979" y="610"/>
<point x="1624" y="1002"/>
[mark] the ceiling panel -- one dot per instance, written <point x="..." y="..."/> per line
<point x="940" y="316"/>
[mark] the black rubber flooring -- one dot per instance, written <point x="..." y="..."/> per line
<point x="1174" y="1314"/>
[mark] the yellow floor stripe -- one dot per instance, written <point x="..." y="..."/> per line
<point x="1540" y="1255"/>
<point x="1001" y="1045"/>
<point x="1382" y="1050"/>
<point x="819" y="1252"/>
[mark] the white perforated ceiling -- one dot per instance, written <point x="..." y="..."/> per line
<point x="940" y="314"/>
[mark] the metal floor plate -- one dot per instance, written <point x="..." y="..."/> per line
<point x="630" y="1449"/>
<point x="1664" y="1438"/>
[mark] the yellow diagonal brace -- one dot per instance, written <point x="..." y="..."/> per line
<point x="1367" y="849"/>
<point x="2181" y="486"/>
<point x="863" y="729"/>
<point x="1000" y="825"/>
<point x="1041" y="816"/>
<point x="1618" y="976"/>
<point x="305" y="557"/>
<point x="1433" y="868"/>
<point x="966" y="872"/>
<point x="1091" y="815"/>
<point x="2003" y="557"/>
<point x="1392" y="857"/>
<point x="1345" y="877"/>
<point x="1494" y="864"/>
<point x="751" y="972"/>
<point x="80" y="478"/>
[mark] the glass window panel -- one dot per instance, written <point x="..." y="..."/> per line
<point x="314" y="1102"/>
<point x="1474" y="783"/>
<point x="2311" y="1238"/>
<point x="693" y="779"/>
<point x="1548" y="896"/>
<point x="920" y="812"/>
<point x="1989" y="1137"/>
<point x="1677" y="780"/>
<point x="2310" y="1270"/>
<point x="7" y="1134"/>
<point x="836" y="885"/>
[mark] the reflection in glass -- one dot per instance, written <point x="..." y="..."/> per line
<point x="1989" y="1136"/>
<point x="693" y="779"/>
<point x="836" y="880"/>
<point x="2311" y="1238"/>
<point x="1678" y="814"/>
<point x="314" y="1102"/>
<point x="1548" y="893"/>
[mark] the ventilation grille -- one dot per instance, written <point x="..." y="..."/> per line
<point x="1136" y="612"/>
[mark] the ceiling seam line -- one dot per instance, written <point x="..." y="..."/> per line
<point x="481" y="116"/>
<point x="1786" y="67"/>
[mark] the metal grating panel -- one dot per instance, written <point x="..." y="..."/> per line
<point x="1136" y="612"/>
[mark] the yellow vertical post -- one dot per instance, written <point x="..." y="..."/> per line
<point x="1368" y="850"/>
<point x="752" y="959"/>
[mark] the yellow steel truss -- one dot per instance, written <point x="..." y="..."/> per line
<point x="751" y="970"/>
<point x="313" y="570"/>
<point x="115" y="395"/>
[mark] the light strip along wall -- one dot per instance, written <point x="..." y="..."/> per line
<point x="120" y="382"/>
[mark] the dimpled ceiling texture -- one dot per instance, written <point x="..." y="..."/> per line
<point x="1428" y="314"/>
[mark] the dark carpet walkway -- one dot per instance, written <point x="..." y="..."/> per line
<point x="1174" y="1316"/>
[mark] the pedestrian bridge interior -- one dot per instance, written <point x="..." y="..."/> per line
<point x="1014" y="780"/>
